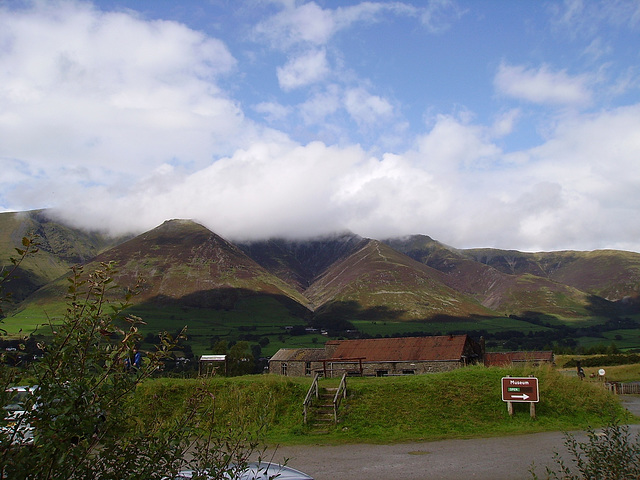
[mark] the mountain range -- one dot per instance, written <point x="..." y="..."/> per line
<point x="325" y="280"/>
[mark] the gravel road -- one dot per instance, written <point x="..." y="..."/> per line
<point x="503" y="458"/>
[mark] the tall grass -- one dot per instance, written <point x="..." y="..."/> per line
<point x="464" y="403"/>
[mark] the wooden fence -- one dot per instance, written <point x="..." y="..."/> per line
<point x="619" y="388"/>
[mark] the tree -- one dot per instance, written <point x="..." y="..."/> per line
<point x="220" y="348"/>
<point x="83" y="416"/>
<point x="240" y="359"/>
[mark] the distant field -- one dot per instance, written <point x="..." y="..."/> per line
<point x="495" y="324"/>
<point x="251" y="320"/>
<point x="34" y="318"/>
<point x="255" y="319"/>
<point x="624" y="339"/>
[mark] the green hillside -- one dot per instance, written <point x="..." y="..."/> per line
<point x="268" y="292"/>
<point x="379" y="279"/>
<point x="60" y="247"/>
<point x="611" y="274"/>
<point x="511" y="282"/>
<point x="188" y="276"/>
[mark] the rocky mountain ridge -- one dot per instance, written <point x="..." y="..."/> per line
<point x="404" y="279"/>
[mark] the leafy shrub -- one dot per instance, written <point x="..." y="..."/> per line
<point x="609" y="455"/>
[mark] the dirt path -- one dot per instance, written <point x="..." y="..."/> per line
<point x="503" y="458"/>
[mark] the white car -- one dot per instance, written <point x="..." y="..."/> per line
<point x="18" y="428"/>
<point x="260" y="471"/>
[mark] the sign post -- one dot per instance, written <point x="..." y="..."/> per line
<point x="520" y="389"/>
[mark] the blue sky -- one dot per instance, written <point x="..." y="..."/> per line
<point x="508" y="124"/>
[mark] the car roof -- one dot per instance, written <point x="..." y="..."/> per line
<point x="261" y="471"/>
<point x="24" y="388"/>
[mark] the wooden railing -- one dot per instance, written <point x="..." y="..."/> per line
<point x="619" y="388"/>
<point x="340" y="394"/>
<point x="313" y="392"/>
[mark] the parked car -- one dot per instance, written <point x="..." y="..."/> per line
<point x="18" y="428"/>
<point x="260" y="471"/>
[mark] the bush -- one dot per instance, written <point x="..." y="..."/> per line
<point x="609" y="455"/>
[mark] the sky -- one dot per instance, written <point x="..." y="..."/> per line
<point x="494" y="123"/>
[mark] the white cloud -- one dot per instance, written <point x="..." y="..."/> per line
<point x="366" y="108"/>
<point x="438" y="15"/>
<point x="272" y="111"/>
<point x="308" y="23"/>
<point x="452" y="145"/>
<point x="579" y="17"/>
<point x="321" y="105"/>
<point x="542" y="85"/>
<point x="579" y="189"/>
<point x="505" y="122"/>
<point x="457" y="187"/>
<point x="122" y="123"/>
<point x="110" y="92"/>
<point x="303" y="70"/>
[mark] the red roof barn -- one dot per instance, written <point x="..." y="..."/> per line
<point x="385" y="356"/>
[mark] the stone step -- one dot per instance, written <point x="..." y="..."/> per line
<point x="323" y="420"/>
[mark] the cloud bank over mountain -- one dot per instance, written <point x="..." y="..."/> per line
<point x="298" y="119"/>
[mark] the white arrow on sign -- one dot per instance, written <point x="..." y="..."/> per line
<point x="524" y="396"/>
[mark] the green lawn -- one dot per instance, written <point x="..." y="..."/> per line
<point x="465" y="403"/>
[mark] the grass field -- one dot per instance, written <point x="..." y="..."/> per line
<point x="613" y="373"/>
<point x="255" y="319"/>
<point x="465" y="403"/>
<point x="624" y="339"/>
<point x="34" y="319"/>
<point x="252" y="319"/>
<point x="495" y="324"/>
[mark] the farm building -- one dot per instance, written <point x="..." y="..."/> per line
<point x="296" y="362"/>
<point x="508" y="359"/>
<point x="379" y="356"/>
<point x="210" y="365"/>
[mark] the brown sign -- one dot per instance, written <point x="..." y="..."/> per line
<point x="520" y="389"/>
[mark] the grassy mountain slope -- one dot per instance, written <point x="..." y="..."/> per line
<point x="611" y="274"/>
<point x="182" y="260"/>
<point x="377" y="277"/>
<point x="461" y="273"/>
<point x="186" y="266"/>
<point x="183" y="266"/>
<point x="607" y="273"/>
<point x="60" y="247"/>
<point x="504" y="290"/>
<point x="300" y="262"/>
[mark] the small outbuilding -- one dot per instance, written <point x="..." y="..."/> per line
<point x="209" y="365"/>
